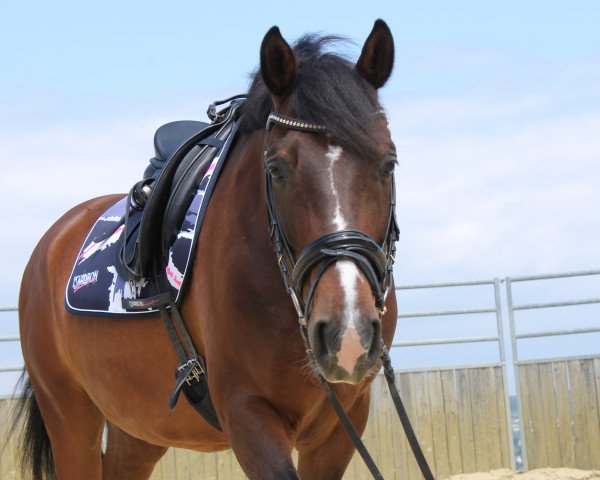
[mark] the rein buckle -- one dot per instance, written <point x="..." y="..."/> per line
<point x="298" y="307"/>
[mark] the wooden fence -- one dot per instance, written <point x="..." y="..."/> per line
<point x="560" y="401"/>
<point x="459" y="416"/>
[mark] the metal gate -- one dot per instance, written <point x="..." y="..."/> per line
<point x="558" y="398"/>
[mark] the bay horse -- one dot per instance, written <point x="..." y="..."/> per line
<point x="85" y="372"/>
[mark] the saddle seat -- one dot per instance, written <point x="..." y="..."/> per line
<point x="169" y="138"/>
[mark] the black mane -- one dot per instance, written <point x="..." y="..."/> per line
<point x="328" y="91"/>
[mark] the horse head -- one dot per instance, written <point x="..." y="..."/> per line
<point x="329" y="165"/>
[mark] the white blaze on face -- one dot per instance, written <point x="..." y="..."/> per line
<point x="351" y="348"/>
<point x="333" y="154"/>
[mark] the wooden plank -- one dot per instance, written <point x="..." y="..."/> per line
<point x="438" y="424"/>
<point x="202" y="465"/>
<point x="537" y="421"/>
<point x="400" y="445"/>
<point x="409" y="468"/>
<point x="385" y="449"/>
<point x="593" y="423"/>
<point x="452" y="422"/>
<point x="465" y="420"/>
<point x="527" y="420"/>
<point x="168" y="467"/>
<point x="9" y="458"/>
<point x="491" y="416"/>
<point x="182" y="462"/>
<point x="425" y="432"/>
<point x="370" y="436"/>
<point x="357" y="468"/>
<point x="596" y="365"/>
<point x="589" y="398"/>
<point x="549" y="415"/>
<point x="223" y="464"/>
<point x="235" y="471"/>
<point x="4" y="462"/>
<point x="477" y="393"/>
<point x="577" y="381"/>
<point x="563" y="407"/>
<point x="505" y="434"/>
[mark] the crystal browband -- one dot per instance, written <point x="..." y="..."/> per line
<point x="287" y="122"/>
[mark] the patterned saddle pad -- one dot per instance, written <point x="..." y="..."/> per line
<point x="96" y="286"/>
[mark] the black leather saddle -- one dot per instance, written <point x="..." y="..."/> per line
<point x="157" y="204"/>
<point x="168" y="139"/>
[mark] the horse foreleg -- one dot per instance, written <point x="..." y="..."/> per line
<point x="260" y="439"/>
<point x="330" y="459"/>
<point x="128" y="458"/>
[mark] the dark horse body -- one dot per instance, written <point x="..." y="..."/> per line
<point x="85" y="371"/>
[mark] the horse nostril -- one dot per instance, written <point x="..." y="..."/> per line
<point x="324" y="337"/>
<point x="372" y="336"/>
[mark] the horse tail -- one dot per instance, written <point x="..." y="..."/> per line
<point x="36" y="451"/>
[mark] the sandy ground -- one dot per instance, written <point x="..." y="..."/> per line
<point x="541" y="474"/>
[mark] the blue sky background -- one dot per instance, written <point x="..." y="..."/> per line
<point x="494" y="108"/>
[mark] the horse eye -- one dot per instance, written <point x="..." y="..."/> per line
<point x="275" y="170"/>
<point x="389" y="167"/>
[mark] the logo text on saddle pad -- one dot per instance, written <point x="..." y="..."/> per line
<point x="80" y="281"/>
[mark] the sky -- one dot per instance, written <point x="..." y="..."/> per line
<point x="494" y="108"/>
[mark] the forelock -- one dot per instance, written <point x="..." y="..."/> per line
<point x="328" y="91"/>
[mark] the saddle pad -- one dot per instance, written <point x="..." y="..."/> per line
<point x="96" y="287"/>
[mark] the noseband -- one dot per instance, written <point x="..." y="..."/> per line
<point x="374" y="261"/>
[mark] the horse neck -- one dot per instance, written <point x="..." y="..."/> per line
<point x="246" y="262"/>
<point x="247" y="212"/>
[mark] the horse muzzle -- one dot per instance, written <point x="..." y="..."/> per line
<point x="347" y="354"/>
<point x="344" y="303"/>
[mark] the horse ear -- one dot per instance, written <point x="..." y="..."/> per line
<point x="277" y="64"/>
<point x="377" y="57"/>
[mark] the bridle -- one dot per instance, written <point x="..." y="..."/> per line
<point x="375" y="261"/>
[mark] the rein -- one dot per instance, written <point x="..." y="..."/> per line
<point x="374" y="261"/>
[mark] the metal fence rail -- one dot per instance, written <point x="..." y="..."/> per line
<point x="496" y="309"/>
<point x="512" y="308"/>
<point x="11" y="338"/>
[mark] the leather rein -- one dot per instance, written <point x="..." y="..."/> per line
<point x="375" y="261"/>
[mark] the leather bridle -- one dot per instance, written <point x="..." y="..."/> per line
<point x="374" y="261"/>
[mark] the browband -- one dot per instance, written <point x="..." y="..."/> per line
<point x="292" y="123"/>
